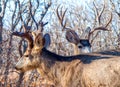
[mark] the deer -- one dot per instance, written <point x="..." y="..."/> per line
<point x="81" y="45"/>
<point x="83" y="70"/>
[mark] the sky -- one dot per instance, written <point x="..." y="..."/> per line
<point x="75" y="2"/>
<point x="66" y="3"/>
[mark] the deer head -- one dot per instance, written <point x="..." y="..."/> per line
<point x="30" y="59"/>
<point x="81" y="45"/>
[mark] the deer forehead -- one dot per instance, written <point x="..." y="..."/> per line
<point x="37" y="49"/>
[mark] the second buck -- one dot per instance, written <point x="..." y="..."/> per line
<point x="80" y="45"/>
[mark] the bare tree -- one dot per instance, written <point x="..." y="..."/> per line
<point x="99" y="25"/>
<point x="3" y="4"/>
<point x="23" y="19"/>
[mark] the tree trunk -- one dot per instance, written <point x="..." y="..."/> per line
<point x="1" y="29"/>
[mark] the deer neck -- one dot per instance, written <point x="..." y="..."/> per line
<point x="76" y="50"/>
<point x="53" y="66"/>
<point x="47" y="66"/>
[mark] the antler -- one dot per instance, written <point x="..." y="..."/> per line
<point x="104" y="28"/>
<point x="98" y="16"/>
<point x="40" y="23"/>
<point x="61" y="17"/>
<point x="71" y="35"/>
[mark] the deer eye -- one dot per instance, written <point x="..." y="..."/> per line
<point x="80" y="46"/>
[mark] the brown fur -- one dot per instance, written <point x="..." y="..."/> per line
<point x="76" y="49"/>
<point x="88" y="70"/>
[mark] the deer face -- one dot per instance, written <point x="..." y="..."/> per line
<point x="27" y="62"/>
<point x="84" y="46"/>
<point x="31" y="58"/>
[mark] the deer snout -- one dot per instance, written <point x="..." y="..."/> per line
<point x="19" y="69"/>
<point x="16" y="68"/>
<point x="86" y="49"/>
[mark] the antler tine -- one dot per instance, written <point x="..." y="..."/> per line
<point x="58" y="15"/>
<point x="104" y="28"/>
<point x="98" y="28"/>
<point x="27" y="36"/>
<point x="109" y="20"/>
<point x="95" y="29"/>
<point x="100" y="14"/>
<point x="61" y="17"/>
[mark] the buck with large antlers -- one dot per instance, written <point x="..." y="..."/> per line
<point x="85" y="70"/>
<point x="81" y="45"/>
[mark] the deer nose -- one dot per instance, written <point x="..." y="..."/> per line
<point x="16" y="68"/>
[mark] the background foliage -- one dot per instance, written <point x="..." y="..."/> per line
<point x="41" y="14"/>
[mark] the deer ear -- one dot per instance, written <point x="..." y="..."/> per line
<point x="39" y="40"/>
<point x="72" y="37"/>
<point x="46" y="40"/>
